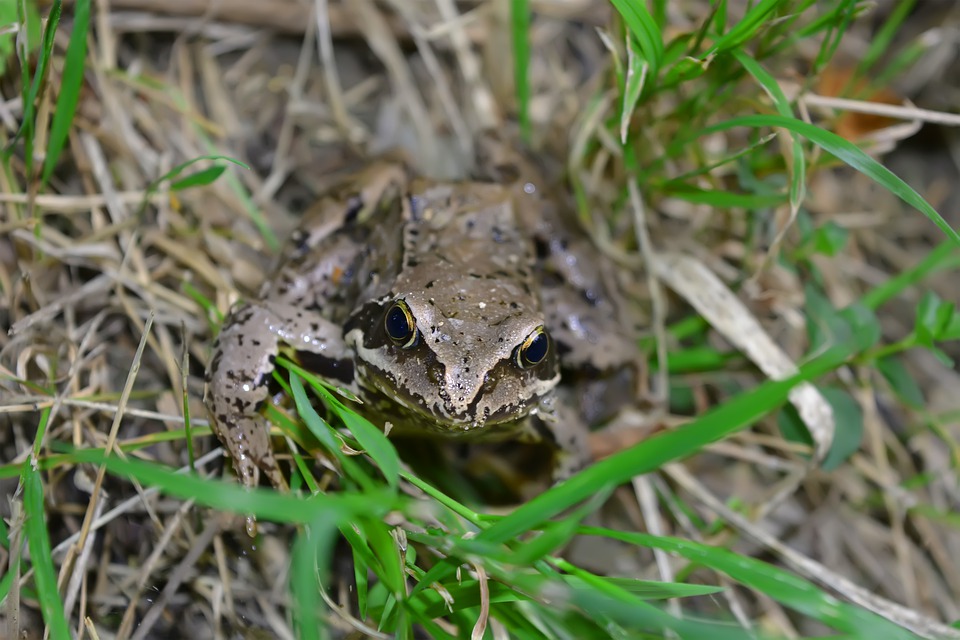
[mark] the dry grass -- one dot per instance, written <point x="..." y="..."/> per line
<point x="104" y="282"/>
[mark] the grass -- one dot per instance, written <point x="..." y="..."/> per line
<point x="692" y="140"/>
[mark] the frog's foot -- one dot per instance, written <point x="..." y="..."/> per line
<point x="566" y="432"/>
<point x="567" y="463"/>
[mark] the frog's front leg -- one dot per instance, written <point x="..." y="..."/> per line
<point x="239" y="373"/>
<point x="562" y="427"/>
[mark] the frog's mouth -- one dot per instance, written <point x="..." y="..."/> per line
<point x="491" y="409"/>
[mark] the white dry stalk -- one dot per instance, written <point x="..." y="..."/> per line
<point x="180" y="574"/>
<point x="147" y="568"/>
<point x="283" y="166"/>
<point x="481" y="625"/>
<point x="10" y="607"/>
<point x="907" y="111"/>
<point x="706" y="293"/>
<point x="653" y="518"/>
<point x="70" y="204"/>
<point x="441" y="83"/>
<point x="277" y="623"/>
<point x="383" y="43"/>
<point x="482" y="101"/>
<point x="331" y="77"/>
<point x="79" y="566"/>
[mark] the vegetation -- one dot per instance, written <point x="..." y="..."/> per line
<point x="133" y="188"/>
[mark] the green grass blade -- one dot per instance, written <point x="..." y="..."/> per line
<point x="644" y="28"/>
<point x="719" y="19"/>
<point x="748" y="27"/>
<point x="899" y="65"/>
<point x="608" y="602"/>
<point x="385" y="548"/>
<point x="317" y="425"/>
<point x="41" y="554"/>
<point x="70" y="86"/>
<point x="722" y="199"/>
<point x="25" y="15"/>
<point x="9" y="19"/>
<point x="520" y="31"/>
<point x="371" y="439"/>
<point x="653" y="590"/>
<point x="946" y="255"/>
<point x="633" y="83"/>
<point x="4" y="536"/>
<point x="787" y="588"/>
<point x="200" y="178"/>
<point x="6" y="582"/>
<point x="263" y="503"/>
<point x="31" y="90"/>
<point x="798" y="170"/>
<point x="838" y="25"/>
<point x="847" y="152"/>
<point x="183" y="166"/>
<point x="882" y="40"/>
<point x="310" y="564"/>
<point x="360" y="579"/>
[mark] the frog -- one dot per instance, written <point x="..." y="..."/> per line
<point x="474" y="310"/>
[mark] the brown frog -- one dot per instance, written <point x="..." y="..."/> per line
<point x="457" y="309"/>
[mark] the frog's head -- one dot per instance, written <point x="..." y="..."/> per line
<point x="470" y="360"/>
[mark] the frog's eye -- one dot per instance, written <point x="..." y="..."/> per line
<point x="533" y="349"/>
<point x="400" y="325"/>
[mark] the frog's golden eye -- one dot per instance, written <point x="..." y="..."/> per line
<point x="533" y="349"/>
<point x="400" y="325"/>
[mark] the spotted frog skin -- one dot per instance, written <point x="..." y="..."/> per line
<point x="458" y="309"/>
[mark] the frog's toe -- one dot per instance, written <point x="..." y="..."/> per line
<point x="251" y="451"/>
<point x="570" y="437"/>
<point x="568" y="463"/>
<point x="268" y="465"/>
<point x="248" y="470"/>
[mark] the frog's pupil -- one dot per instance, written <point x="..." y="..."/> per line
<point x="536" y="348"/>
<point x="398" y="323"/>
